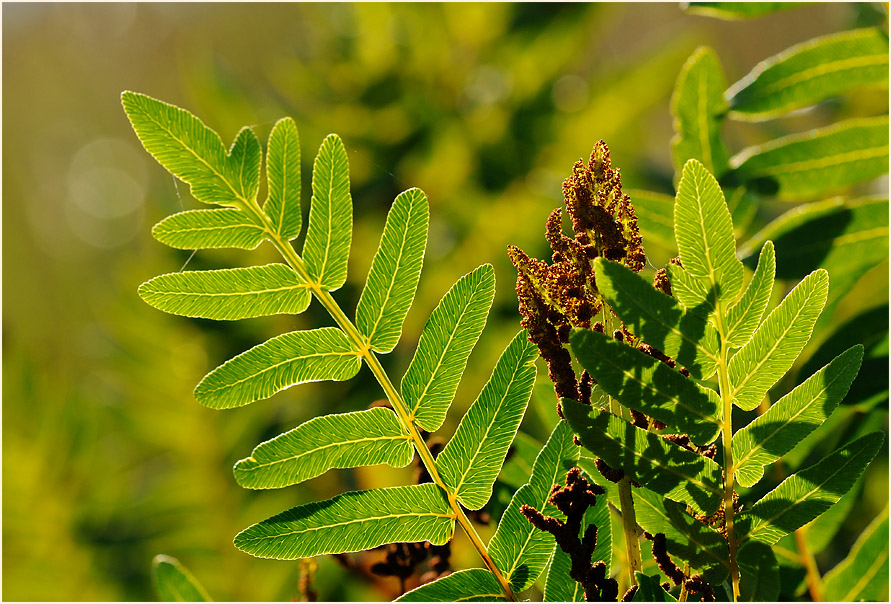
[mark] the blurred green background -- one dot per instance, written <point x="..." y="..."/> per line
<point x="107" y="458"/>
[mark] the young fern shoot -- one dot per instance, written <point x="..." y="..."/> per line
<point x="464" y="473"/>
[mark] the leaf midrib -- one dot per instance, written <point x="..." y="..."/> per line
<point x="507" y="391"/>
<point x="345" y="523"/>
<point x="822" y="70"/>
<point x="741" y="462"/>
<point x="762" y="359"/>
<point x="836" y="159"/>
<point x="198" y="157"/>
<point x="234" y="294"/>
<point x="258" y="465"/>
<point x="285" y="362"/>
<point x="399" y="265"/>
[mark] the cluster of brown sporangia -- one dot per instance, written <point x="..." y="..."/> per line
<point x="556" y="297"/>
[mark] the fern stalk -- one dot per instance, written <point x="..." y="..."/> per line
<point x="726" y="437"/>
<point x="327" y="300"/>
<point x="814" y="582"/>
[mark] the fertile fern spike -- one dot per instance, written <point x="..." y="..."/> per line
<point x="465" y="471"/>
<point x="686" y="496"/>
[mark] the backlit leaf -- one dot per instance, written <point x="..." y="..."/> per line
<point x="348" y="440"/>
<point x="659" y="320"/>
<point x="352" y="522"/>
<point x="245" y="157"/>
<point x="473" y="457"/>
<point x="817" y="162"/>
<point x="469" y="585"/>
<point x="285" y="360"/>
<point x="648" y="385"/>
<point x="685" y="537"/>
<point x="205" y="229"/>
<point x="793" y="417"/>
<point x="808" y="493"/>
<point x="283" y="175"/>
<point x="649" y="589"/>
<point x="395" y="270"/>
<point x="698" y="107"/>
<point x="846" y="237"/>
<point x="704" y="232"/>
<point x="733" y="11"/>
<point x="228" y="294"/>
<point x="326" y="250"/>
<point x="518" y="549"/>
<point x="187" y="148"/>
<point x="655" y="216"/>
<point x="759" y="572"/>
<point x="777" y="342"/>
<point x="810" y="72"/>
<point x="744" y="317"/>
<point x="175" y="583"/>
<point x="450" y="334"/>
<point x="656" y="464"/>
<point x="690" y="291"/>
<point x="863" y="575"/>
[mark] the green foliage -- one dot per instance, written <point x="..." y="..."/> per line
<point x="733" y="11"/>
<point x="175" y="583"/>
<point x="470" y="585"/>
<point x="468" y="466"/>
<point x="517" y="547"/>
<point x="863" y="575"/>
<point x="651" y="385"/>
<point x="811" y="72"/>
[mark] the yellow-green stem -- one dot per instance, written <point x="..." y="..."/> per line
<point x="325" y="298"/>
<point x="814" y="582"/>
<point x="629" y="526"/>
<point x="726" y="438"/>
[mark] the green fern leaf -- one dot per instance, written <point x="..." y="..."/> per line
<point x="469" y="585"/>
<point x="648" y="385"/>
<point x="450" y="334"/>
<point x="735" y="11"/>
<point x="278" y="363"/>
<point x="326" y="250"/>
<point x="819" y="161"/>
<point x="395" y="270"/>
<point x="655" y="216"/>
<point x="649" y="459"/>
<point x="810" y="72"/>
<point x="205" y="229"/>
<point x="863" y="575"/>
<point x="690" y="291"/>
<point x="808" y="493"/>
<point x="649" y="589"/>
<point x="189" y="150"/>
<point x="846" y="237"/>
<point x="352" y="522"/>
<point x="745" y="316"/>
<point x="473" y="457"/>
<point x="228" y="294"/>
<point x="686" y="538"/>
<point x="793" y="417"/>
<point x="704" y="232"/>
<point x="245" y="158"/>
<point x="777" y="342"/>
<point x="658" y="319"/>
<point x="283" y="176"/>
<point x="759" y="573"/>
<point x="698" y="107"/>
<point x="518" y="549"/>
<point x="347" y="440"/>
<point x="175" y="583"/>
